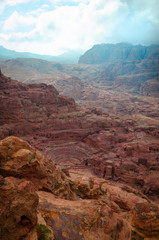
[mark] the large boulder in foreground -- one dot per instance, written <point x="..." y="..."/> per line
<point x="19" y="159"/>
<point x="83" y="219"/>
<point x="145" y="220"/>
<point x="18" y="209"/>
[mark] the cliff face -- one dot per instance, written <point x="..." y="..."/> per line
<point x="103" y="53"/>
<point x="30" y="105"/>
<point x="31" y="102"/>
<point x="80" y="206"/>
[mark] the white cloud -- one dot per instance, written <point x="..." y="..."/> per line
<point x="53" y="30"/>
<point x="38" y="11"/>
<point x="16" y="21"/>
<point x="15" y="2"/>
<point x="78" y="26"/>
<point x="69" y="1"/>
<point x="6" y="3"/>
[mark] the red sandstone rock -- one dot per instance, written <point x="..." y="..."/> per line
<point x="82" y="219"/>
<point x="145" y="220"/>
<point x="94" y="209"/>
<point x="18" y="209"/>
<point x="116" y="127"/>
<point x="20" y="160"/>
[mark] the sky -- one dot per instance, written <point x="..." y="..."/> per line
<point x="57" y="26"/>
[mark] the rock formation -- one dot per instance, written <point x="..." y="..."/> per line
<point x="18" y="209"/>
<point x="95" y="209"/>
<point x="19" y="159"/>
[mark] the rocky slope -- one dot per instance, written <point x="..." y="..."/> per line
<point x="78" y="206"/>
<point x="116" y="136"/>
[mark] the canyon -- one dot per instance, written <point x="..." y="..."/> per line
<point x="84" y="139"/>
<point x="115" y="136"/>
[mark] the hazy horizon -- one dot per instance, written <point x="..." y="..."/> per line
<point x="59" y="26"/>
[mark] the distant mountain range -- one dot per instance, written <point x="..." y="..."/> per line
<point x="124" y="67"/>
<point x="103" y="53"/>
<point x="69" y="57"/>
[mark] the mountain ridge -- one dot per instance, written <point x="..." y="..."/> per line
<point x="102" y="53"/>
<point x="67" y="57"/>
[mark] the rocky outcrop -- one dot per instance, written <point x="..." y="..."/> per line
<point x="18" y="209"/>
<point x="112" y="214"/>
<point x="19" y="159"/>
<point x="145" y="216"/>
<point x="82" y="219"/>
<point x="76" y="206"/>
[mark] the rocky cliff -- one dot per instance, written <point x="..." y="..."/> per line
<point x="41" y="202"/>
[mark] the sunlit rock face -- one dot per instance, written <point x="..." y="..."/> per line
<point x="19" y="159"/>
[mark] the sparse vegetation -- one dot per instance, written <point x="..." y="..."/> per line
<point x="135" y="236"/>
<point x="58" y="186"/>
<point x="44" y="232"/>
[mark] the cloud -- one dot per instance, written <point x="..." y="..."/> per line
<point x="16" y="21"/>
<point x="60" y="25"/>
<point x="8" y="3"/>
<point x="15" y="2"/>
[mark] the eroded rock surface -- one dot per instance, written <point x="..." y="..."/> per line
<point x="19" y="159"/>
<point x="144" y="217"/>
<point x="77" y="206"/>
<point x="82" y="219"/>
<point x="18" y="209"/>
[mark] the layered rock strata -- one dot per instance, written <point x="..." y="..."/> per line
<point x="117" y="139"/>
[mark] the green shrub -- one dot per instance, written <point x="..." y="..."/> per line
<point x="44" y="232"/>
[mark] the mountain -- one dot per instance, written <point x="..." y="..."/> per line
<point x="103" y="53"/>
<point x="125" y="67"/>
<point x="68" y="57"/>
<point x="139" y="77"/>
